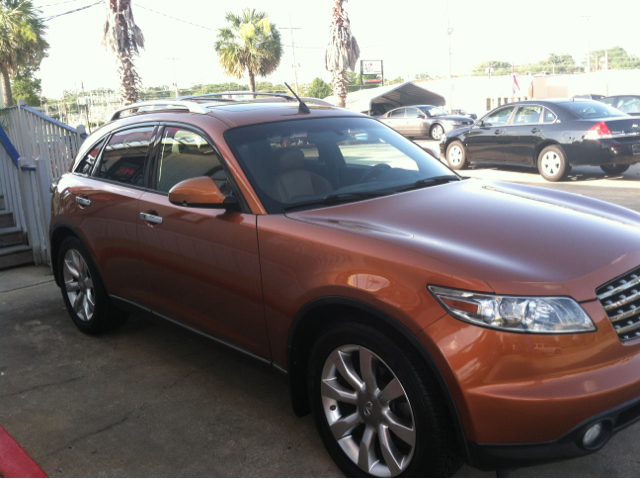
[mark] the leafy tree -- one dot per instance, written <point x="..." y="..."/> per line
<point x="499" y="68"/>
<point x="394" y="81"/>
<point x="617" y="58"/>
<point x="22" y="42"/>
<point x="124" y="38"/>
<point x="250" y="43"/>
<point x="422" y="76"/>
<point x="319" y="89"/>
<point x="342" y="52"/>
<point x="26" y="86"/>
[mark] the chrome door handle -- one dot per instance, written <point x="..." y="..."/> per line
<point x="83" y="201"/>
<point x="151" y="218"/>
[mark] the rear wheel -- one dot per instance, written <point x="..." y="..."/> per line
<point x="456" y="156"/>
<point x="552" y="163"/>
<point x="614" y="169"/>
<point x="83" y="292"/>
<point x="436" y="131"/>
<point x="378" y="410"/>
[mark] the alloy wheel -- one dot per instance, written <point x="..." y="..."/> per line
<point x="455" y="155"/>
<point x="79" y="284"/>
<point x="436" y="132"/>
<point x="368" y="411"/>
<point x="551" y="163"/>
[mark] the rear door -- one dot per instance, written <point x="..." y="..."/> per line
<point x="485" y="141"/>
<point x="523" y="134"/>
<point x="108" y="206"/>
<point x="201" y="264"/>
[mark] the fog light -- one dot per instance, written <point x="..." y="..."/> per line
<point x="592" y="434"/>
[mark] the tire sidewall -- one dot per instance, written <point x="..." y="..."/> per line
<point x="394" y="357"/>
<point x="433" y="128"/>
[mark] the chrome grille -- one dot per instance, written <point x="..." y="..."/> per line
<point x="621" y="300"/>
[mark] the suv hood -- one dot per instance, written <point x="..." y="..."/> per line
<point x="517" y="239"/>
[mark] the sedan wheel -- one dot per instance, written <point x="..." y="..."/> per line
<point x="437" y="131"/>
<point x="614" y="169"/>
<point x="456" y="156"/>
<point x="368" y="411"/>
<point x="552" y="163"/>
<point x="79" y="285"/>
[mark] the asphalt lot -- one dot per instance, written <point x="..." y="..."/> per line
<point x="152" y="399"/>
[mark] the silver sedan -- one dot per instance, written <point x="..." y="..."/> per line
<point x="423" y="120"/>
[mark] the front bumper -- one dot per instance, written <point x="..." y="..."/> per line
<point x="511" y="456"/>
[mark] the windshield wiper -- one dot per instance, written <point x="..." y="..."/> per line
<point x="435" y="180"/>
<point x="335" y="199"/>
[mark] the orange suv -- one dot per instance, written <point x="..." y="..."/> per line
<point x="423" y="319"/>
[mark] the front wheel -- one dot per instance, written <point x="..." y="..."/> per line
<point x="553" y="164"/>
<point x="378" y="410"/>
<point x="456" y="156"/>
<point x="614" y="169"/>
<point x="436" y="132"/>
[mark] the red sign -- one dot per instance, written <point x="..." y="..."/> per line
<point x="373" y="80"/>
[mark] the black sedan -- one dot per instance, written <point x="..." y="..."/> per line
<point x="552" y="135"/>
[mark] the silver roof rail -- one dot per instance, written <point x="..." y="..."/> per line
<point x="193" y="107"/>
<point x="206" y="96"/>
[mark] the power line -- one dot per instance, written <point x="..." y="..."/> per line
<point x="71" y="11"/>
<point x="173" y="18"/>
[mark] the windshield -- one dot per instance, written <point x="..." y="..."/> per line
<point x="432" y="111"/>
<point x="591" y="109"/>
<point x="293" y="162"/>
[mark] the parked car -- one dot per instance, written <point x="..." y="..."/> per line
<point x="552" y="135"/>
<point x="588" y="96"/>
<point x="629" y="104"/>
<point x="423" y="120"/>
<point x="473" y="116"/>
<point x="422" y="318"/>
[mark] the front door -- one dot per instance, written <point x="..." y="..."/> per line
<point x="201" y="264"/>
<point x="523" y="135"/>
<point x="484" y="141"/>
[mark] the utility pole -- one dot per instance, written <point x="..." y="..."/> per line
<point x="588" y="17"/>
<point x="449" y="32"/>
<point x="175" y="76"/>
<point x="293" y="48"/>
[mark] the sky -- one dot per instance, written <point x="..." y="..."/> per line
<point x="410" y="36"/>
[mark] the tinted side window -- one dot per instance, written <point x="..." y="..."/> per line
<point x="123" y="158"/>
<point x="413" y="113"/>
<point x="549" y="116"/>
<point x="629" y="104"/>
<point x="85" y="167"/>
<point x="500" y="117"/>
<point x="184" y="155"/>
<point x="527" y="115"/>
<point x="397" y="113"/>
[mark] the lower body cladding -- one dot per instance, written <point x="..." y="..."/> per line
<point x="614" y="151"/>
<point x="527" y="399"/>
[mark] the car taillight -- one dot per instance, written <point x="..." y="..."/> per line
<point x="598" y="132"/>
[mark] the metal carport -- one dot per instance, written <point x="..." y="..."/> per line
<point x="376" y="101"/>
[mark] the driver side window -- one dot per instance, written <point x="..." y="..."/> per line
<point x="185" y="154"/>
<point x="498" y="118"/>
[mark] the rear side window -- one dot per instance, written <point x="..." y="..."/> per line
<point x="629" y="105"/>
<point x="124" y="156"/>
<point x="185" y="154"/>
<point x="549" y="116"/>
<point x="85" y="167"/>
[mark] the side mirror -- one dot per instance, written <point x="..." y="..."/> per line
<point x="422" y="117"/>
<point x="201" y="192"/>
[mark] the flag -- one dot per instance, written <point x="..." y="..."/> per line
<point x="516" y="87"/>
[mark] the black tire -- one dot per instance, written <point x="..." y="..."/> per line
<point x="614" y="169"/>
<point x="552" y="163"/>
<point x="436" y="131"/>
<point x="435" y="451"/>
<point x="104" y="316"/>
<point x="457" y="156"/>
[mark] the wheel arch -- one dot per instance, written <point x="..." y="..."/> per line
<point x="312" y="320"/>
<point x="541" y="146"/>
<point x="59" y="233"/>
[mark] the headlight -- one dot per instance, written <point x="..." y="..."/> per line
<point x="523" y="314"/>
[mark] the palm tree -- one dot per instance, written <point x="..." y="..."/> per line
<point x="22" y="42"/>
<point x="342" y="52"/>
<point x="124" y="38"/>
<point x="250" y="43"/>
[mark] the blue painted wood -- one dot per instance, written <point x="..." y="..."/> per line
<point x="6" y="142"/>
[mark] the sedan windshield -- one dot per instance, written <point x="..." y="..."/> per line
<point x="320" y="162"/>
<point x="591" y="109"/>
<point x="432" y="111"/>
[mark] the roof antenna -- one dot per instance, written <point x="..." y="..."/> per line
<point x="302" y="105"/>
